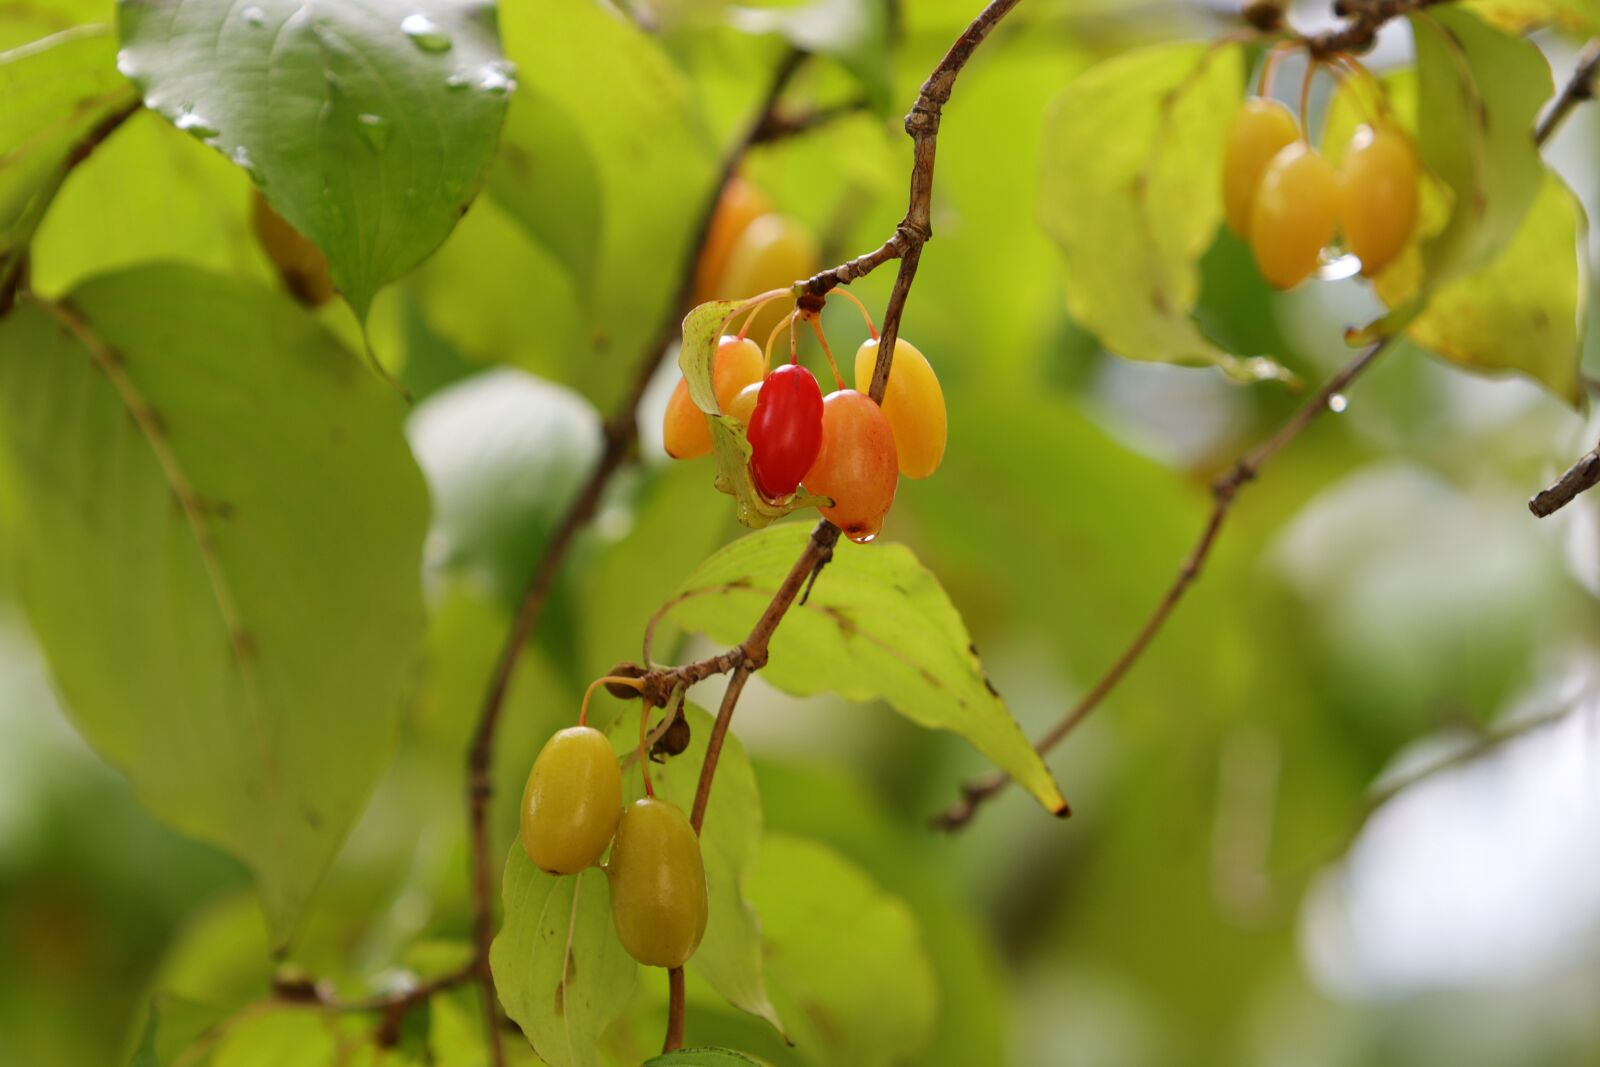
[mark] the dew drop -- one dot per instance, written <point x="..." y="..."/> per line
<point x="496" y="78"/>
<point x="1338" y="266"/>
<point x="255" y="16"/>
<point x="459" y="80"/>
<point x="864" y="538"/>
<point x="425" y="33"/>
<point x="374" y="130"/>
<point x="241" y="159"/>
<point x="1337" y="403"/>
<point x="195" y="126"/>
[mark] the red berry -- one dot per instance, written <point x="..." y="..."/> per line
<point x="785" y="431"/>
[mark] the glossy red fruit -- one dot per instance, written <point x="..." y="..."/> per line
<point x="785" y="431"/>
<point x="858" y="466"/>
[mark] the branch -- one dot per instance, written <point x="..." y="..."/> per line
<point x="1227" y="488"/>
<point x="393" y="1007"/>
<point x="621" y="432"/>
<point x="1579" y="478"/>
<point x="1224" y="491"/>
<point x="914" y="230"/>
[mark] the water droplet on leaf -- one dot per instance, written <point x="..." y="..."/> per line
<point x="195" y="126"/>
<point x="459" y="80"/>
<point x="255" y="16"/>
<point x="425" y="33"/>
<point x="374" y="130"/>
<point x="496" y="78"/>
<point x="1337" y="403"/>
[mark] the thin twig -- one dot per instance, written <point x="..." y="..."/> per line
<point x="914" y="230"/>
<point x="675" y="998"/>
<point x="621" y="433"/>
<point x="1226" y="489"/>
<point x="1579" y="478"/>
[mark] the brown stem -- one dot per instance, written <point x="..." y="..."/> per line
<point x="674" y="1039"/>
<point x="1579" y="87"/>
<point x="922" y="124"/>
<point x="1224" y="491"/>
<point x="1579" y="478"/>
<point x="620" y="434"/>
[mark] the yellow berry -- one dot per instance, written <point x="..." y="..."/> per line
<point x="1378" y="201"/>
<point x="1260" y="130"/>
<point x="1294" y="215"/>
<point x="739" y="205"/>
<point x="572" y="801"/>
<point x="913" y="404"/>
<point x="658" y="884"/>
<point x="743" y="406"/>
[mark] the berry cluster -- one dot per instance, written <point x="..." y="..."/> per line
<point x="842" y="446"/>
<point x="1282" y="196"/>
<point x="572" y="810"/>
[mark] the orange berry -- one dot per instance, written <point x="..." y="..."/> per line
<point x="1378" y="201"/>
<point x="857" y="465"/>
<point x="1260" y="130"/>
<point x="737" y="364"/>
<point x="740" y="204"/>
<point x="773" y="252"/>
<point x="1294" y="215"/>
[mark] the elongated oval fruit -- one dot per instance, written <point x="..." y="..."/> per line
<point x="684" y="432"/>
<point x="658" y="884"/>
<point x="301" y="264"/>
<point x="857" y="465"/>
<point x="572" y="801"/>
<point x="740" y="204"/>
<point x="773" y="252"/>
<point x="1378" y="195"/>
<point x="785" y="430"/>
<point x="1294" y="215"/>
<point x="1260" y="130"/>
<point x="913" y="403"/>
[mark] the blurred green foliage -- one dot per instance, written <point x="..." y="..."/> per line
<point x="1378" y="586"/>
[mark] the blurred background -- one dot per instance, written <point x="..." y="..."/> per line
<point x="1343" y="813"/>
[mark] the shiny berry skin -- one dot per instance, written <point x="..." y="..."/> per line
<point x="743" y="406"/>
<point x="1294" y="215"/>
<point x="736" y="364"/>
<point x="572" y="801"/>
<point x="739" y="205"/>
<point x="785" y="430"/>
<point x="857" y="466"/>
<point x="301" y="264"/>
<point x="913" y="403"/>
<point x="773" y="252"/>
<point x="1378" y="195"/>
<point x="658" y="884"/>
<point x="1260" y="130"/>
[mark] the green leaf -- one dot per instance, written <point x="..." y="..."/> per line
<point x="504" y="454"/>
<point x="174" y="1025"/>
<point x="1525" y="16"/>
<point x="1478" y="94"/>
<point x="62" y="93"/>
<point x="729" y="957"/>
<point x="854" y="33"/>
<point x="876" y="625"/>
<point x="368" y="125"/>
<point x="864" y="993"/>
<point x="228" y="597"/>
<point x="702" y="331"/>
<point x="25" y="21"/>
<point x="561" y="972"/>
<point x="1130" y="188"/>
<point x="648" y="162"/>
<point x="1525" y="310"/>
<point x="704" y="1057"/>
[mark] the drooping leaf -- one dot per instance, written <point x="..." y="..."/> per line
<point x="560" y="970"/>
<point x="702" y="331"/>
<point x="876" y="625"/>
<point x="1524" y="311"/>
<point x="504" y="453"/>
<point x="62" y="94"/>
<point x="703" y="1057"/>
<point x="648" y="165"/>
<point x="218" y="528"/>
<point x="1478" y="93"/>
<point x="730" y="956"/>
<point x="1130" y="188"/>
<point x="865" y="993"/>
<point x="368" y="125"/>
